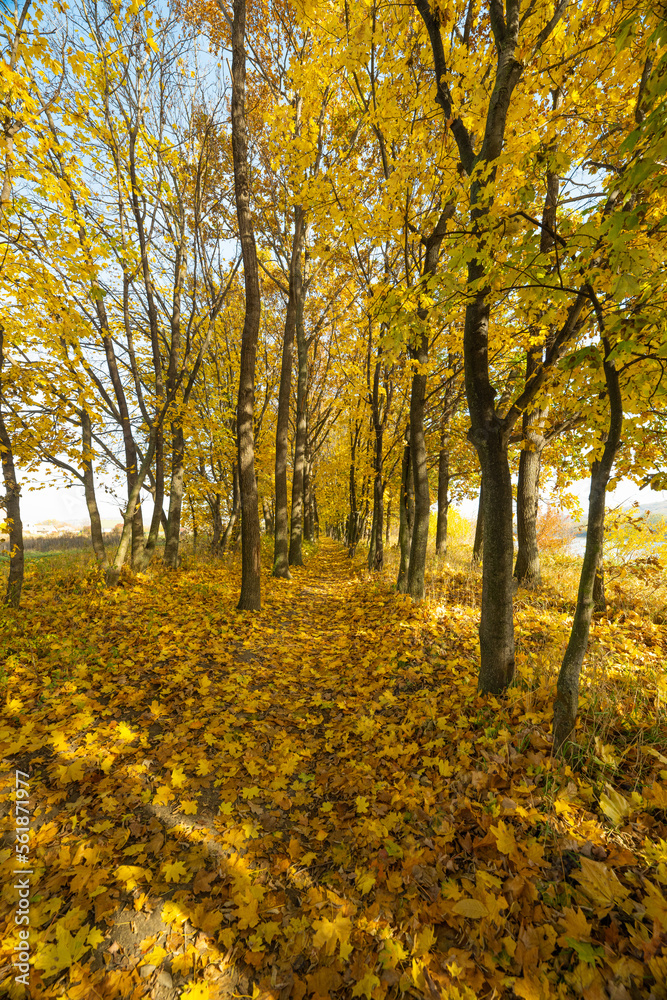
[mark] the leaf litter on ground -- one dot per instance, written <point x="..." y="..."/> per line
<point x="314" y="801"/>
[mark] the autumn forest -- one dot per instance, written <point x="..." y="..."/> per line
<point x="298" y="282"/>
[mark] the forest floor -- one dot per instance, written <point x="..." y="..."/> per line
<point x="314" y="801"/>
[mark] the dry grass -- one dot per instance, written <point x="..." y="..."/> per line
<point x="623" y="705"/>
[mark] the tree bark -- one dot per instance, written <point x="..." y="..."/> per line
<point x="193" y="515"/>
<point x="296" y="526"/>
<point x="307" y="494"/>
<point x="489" y="431"/>
<point x="269" y="525"/>
<point x="137" y="546"/>
<point x="567" y="696"/>
<point x="527" y="568"/>
<point x="419" y="459"/>
<point x="12" y="504"/>
<point x="114" y="568"/>
<point x="478" y="544"/>
<point x="216" y="518"/>
<point x="490" y="436"/>
<point x="96" y="535"/>
<point x="353" y="516"/>
<point x="236" y="504"/>
<point x="250" y="599"/>
<point x="405" y="519"/>
<point x="172" y="541"/>
<point x="419" y="462"/>
<point x="281" y="537"/>
<point x="496" y="627"/>
<point x="158" y="500"/>
<point x="376" y="552"/>
<point x="388" y="522"/>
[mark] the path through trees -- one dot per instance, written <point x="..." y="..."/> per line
<point x="313" y="800"/>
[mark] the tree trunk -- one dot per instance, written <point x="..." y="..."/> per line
<point x="296" y="526"/>
<point x="443" y="490"/>
<point x="417" y="564"/>
<point x="307" y="495"/>
<point x="269" y="520"/>
<point x="496" y="627"/>
<point x="172" y="541"/>
<point x="567" y="696"/>
<point x="193" y="515"/>
<point x="250" y="599"/>
<point x="217" y="522"/>
<point x="527" y="567"/>
<point x="478" y="544"/>
<point x="12" y="505"/>
<point x="96" y="536"/>
<point x="316" y="517"/>
<point x="281" y="537"/>
<point x="236" y="504"/>
<point x="386" y="530"/>
<point x="138" y="538"/>
<point x="158" y="500"/>
<point x="405" y="507"/>
<point x="376" y="552"/>
<point x="131" y="460"/>
<point x="353" y="516"/>
<point x="126" y="538"/>
<point x="489" y="433"/>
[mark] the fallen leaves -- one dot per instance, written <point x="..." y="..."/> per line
<point x="349" y="819"/>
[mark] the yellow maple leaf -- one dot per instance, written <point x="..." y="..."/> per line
<point x="600" y="884"/>
<point x="364" y="987"/>
<point x="154" y="956"/>
<point x="575" y="926"/>
<point x="189" y="807"/>
<point x="59" y="743"/>
<point x="163" y="796"/>
<point x="125" y="732"/>
<point x="184" y="963"/>
<point x="95" y="937"/>
<point x="140" y="901"/>
<point x="505" y="839"/>
<point x="173" y="913"/>
<point x="70" y="772"/>
<point x="132" y="874"/>
<point x="68" y="948"/>
<point x="178" y="777"/>
<point x="364" y="881"/>
<point x="269" y="930"/>
<point x="247" y="910"/>
<point x="424" y="941"/>
<point x="329" y="932"/>
<point x="175" y="871"/>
